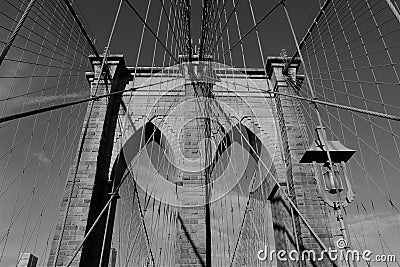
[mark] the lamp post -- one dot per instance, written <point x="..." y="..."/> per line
<point x="331" y="157"/>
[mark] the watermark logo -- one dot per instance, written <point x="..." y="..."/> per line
<point x="341" y="243"/>
<point x="341" y="254"/>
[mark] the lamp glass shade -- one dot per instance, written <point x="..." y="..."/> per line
<point x="332" y="181"/>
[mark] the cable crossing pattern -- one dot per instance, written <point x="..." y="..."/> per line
<point x="224" y="131"/>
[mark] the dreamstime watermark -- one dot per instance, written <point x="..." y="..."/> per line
<point x="340" y="254"/>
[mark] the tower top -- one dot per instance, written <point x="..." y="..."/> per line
<point x="279" y="62"/>
<point x="195" y="57"/>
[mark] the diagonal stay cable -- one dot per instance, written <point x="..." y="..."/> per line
<point x="193" y="245"/>
<point x="226" y="25"/>
<point x="97" y="219"/>
<point x="295" y="208"/>
<point x="304" y="220"/>
<point x="314" y="23"/>
<point x="168" y="20"/>
<point x="326" y="103"/>
<point x="151" y="30"/>
<point x="72" y="11"/>
<point x="46" y="109"/>
<point x="218" y="22"/>
<point x="89" y="41"/>
<point x="349" y="108"/>
<point x="254" y="27"/>
<point x="14" y="34"/>
<point x="104" y="67"/>
<point x="112" y="196"/>
<point x="122" y="181"/>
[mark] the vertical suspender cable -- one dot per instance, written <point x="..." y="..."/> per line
<point x="109" y="207"/>
<point x="89" y="113"/>
<point x="345" y="232"/>
<point x="302" y="42"/>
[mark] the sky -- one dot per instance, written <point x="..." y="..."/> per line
<point x="50" y="150"/>
<point x="100" y="15"/>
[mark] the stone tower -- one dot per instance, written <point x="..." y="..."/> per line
<point x="274" y="135"/>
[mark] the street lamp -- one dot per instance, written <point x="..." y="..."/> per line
<point x="334" y="178"/>
<point x="331" y="157"/>
<point x="332" y="181"/>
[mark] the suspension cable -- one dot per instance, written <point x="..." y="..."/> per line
<point x="15" y="31"/>
<point x="254" y="27"/>
<point x="46" y="109"/>
<point x="150" y="29"/>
